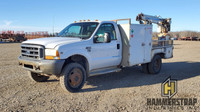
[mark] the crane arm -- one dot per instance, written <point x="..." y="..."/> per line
<point x="164" y="23"/>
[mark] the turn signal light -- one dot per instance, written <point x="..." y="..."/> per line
<point x="55" y="56"/>
<point x="51" y="57"/>
<point x="57" y="53"/>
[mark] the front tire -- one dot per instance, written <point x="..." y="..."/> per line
<point x="37" y="77"/>
<point x="155" y="65"/>
<point x="73" y="77"/>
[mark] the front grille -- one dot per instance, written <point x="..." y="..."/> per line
<point x="32" y="51"/>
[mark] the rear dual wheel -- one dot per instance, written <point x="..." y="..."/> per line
<point x="154" y="66"/>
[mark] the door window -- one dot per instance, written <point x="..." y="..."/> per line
<point x="106" y="28"/>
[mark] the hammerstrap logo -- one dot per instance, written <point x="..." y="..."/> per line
<point x="166" y="102"/>
<point x="169" y="88"/>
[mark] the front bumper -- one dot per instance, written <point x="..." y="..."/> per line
<point x="42" y="66"/>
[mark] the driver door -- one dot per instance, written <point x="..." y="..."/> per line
<point x="105" y="54"/>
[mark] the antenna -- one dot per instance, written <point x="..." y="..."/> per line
<point x="53" y="24"/>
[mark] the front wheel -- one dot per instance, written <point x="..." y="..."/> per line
<point x="73" y="77"/>
<point x="37" y="77"/>
<point x="155" y="65"/>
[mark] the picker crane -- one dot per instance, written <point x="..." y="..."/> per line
<point x="163" y="23"/>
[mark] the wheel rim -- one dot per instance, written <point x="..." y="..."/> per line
<point x="75" y="77"/>
<point x="157" y="65"/>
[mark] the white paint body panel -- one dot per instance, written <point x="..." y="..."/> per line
<point x="168" y="52"/>
<point x="52" y="42"/>
<point x="105" y="54"/>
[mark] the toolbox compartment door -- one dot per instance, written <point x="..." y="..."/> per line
<point x="137" y="43"/>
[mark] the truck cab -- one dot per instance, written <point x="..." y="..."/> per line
<point x="85" y="49"/>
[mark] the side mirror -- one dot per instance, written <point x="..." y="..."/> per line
<point x="107" y="37"/>
<point x="95" y="39"/>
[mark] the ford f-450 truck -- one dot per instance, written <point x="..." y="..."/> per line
<point x="89" y="48"/>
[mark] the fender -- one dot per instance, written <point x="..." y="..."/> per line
<point x="78" y="52"/>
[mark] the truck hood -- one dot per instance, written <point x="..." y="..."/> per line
<point x="52" y="42"/>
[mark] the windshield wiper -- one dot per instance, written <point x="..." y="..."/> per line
<point x="74" y="37"/>
<point x="80" y="37"/>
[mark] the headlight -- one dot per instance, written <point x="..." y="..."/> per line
<point x="51" y="54"/>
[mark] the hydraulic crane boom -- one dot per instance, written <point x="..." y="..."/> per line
<point x="163" y="23"/>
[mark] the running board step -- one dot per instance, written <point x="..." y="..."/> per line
<point x="104" y="71"/>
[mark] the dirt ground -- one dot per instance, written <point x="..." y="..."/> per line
<point x="127" y="90"/>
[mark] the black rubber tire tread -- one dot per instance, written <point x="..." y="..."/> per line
<point x="145" y="68"/>
<point x="37" y="77"/>
<point x="64" y="77"/>
<point x="151" y="65"/>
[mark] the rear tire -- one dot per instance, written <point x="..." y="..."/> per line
<point x="37" y="77"/>
<point x="155" y="65"/>
<point x="73" y="77"/>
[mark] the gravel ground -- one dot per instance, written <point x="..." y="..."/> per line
<point x="127" y="90"/>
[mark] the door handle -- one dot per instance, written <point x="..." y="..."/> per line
<point x="143" y="44"/>
<point x="118" y="46"/>
<point x="150" y="44"/>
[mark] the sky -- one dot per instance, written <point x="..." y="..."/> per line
<point x="54" y="15"/>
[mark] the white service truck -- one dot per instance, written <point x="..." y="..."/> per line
<point x="89" y="48"/>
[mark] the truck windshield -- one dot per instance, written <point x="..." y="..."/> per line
<point x="82" y="30"/>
